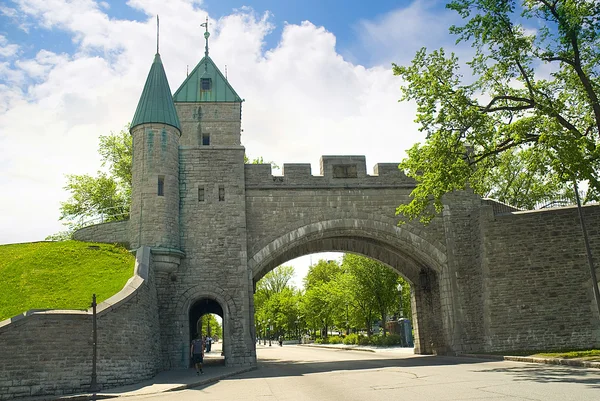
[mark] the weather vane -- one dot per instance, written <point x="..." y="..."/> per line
<point x="206" y="35"/>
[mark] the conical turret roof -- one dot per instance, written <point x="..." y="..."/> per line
<point x="156" y="103"/>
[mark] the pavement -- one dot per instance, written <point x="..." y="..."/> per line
<point x="215" y="370"/>
<point x="549" y="361"/>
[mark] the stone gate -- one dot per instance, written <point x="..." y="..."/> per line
<point x="485" y="278"/>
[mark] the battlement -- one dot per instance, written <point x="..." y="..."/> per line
<point x="342" y="171"/>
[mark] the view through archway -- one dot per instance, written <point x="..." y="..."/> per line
<point x="206" y="322"/>
<point x="334" y="298"/>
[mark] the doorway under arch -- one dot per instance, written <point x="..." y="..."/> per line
<point x="200" y="308"/>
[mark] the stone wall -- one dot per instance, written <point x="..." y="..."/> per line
<point x="50" y="352"/>
<point x="537" y="289"/>
<point x="220" y="121"/>
<point x="346" y="210"/>
<point x="114" y="232"/>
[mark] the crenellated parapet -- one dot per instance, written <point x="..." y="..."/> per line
<point x="336" y="171"/>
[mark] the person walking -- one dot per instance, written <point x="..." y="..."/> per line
<point x="197" y="354"/>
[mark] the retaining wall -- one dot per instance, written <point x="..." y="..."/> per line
<point x="114" y="232"/>
<point x="50" y="352"/>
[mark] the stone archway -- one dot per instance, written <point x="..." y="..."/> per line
<point x="196" y="302"/>
<point x="410" y="255"/>
<point x="198" y="309"/>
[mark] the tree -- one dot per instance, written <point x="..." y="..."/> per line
<point x="108" y="193"/>
<point x="509" y="102"/>
<point x="323" y="271"/>
<point x="275" y="301"/>
<point x="375" y="285"/>
<point x="210" y="322"/>
<point x="276" y="280"/>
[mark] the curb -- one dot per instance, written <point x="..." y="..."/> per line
<point x="530" y="359"/>
<point x="337" y="348"/>
<point x="200" y="383"/>
<point x="100" y="396"/>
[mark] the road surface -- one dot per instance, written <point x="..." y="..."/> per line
<point x="298" y="373"/>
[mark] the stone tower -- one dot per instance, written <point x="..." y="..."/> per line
<point x="155" y="171"/>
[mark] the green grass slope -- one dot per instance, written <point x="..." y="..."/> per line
<point x="60" y="275"/>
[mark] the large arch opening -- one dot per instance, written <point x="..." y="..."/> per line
<point x="203" y="313"/>
<point x="412" y="257"/>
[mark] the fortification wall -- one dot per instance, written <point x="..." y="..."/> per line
<point x="537" y="286"/>
<point x="114" y="232"/>
<point x="50" y="352"/>
<point x="276" y="205"/>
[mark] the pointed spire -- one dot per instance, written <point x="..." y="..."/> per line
<point x="206" y="36"/>
<point x="156" y="103"/>
<point x="157" y="33"/>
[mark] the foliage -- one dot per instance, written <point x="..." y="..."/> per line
<point x="260" y="160"/>
<point x="352" y="339"/>
<point x="276" y="280"/>
<point x="532" y="90"/>
<point x="374" y="284"/>
<point x="210" y="320"/>
<point x="276" y="303"/>
<point x="60" y="275"/>
<point x="325" y="295"/>
<point x="589" y="355"/>
<point x="335" y="340"/>
<point x="108" y="193"/>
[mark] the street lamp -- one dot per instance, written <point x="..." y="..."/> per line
<point x="400" y="291"/>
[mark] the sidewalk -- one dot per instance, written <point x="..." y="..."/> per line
<point x="172" y="380"/>
<point x="549" y="361"/>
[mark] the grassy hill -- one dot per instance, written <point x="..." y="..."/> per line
<point x="60" y="275"/>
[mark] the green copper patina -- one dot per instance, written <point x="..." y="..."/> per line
<point x="193" y="90"/>
<point x="156" y="103"/>
<point x="206" y="83"/>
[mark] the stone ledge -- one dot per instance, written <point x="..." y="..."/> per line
<point x="530" y="359"/>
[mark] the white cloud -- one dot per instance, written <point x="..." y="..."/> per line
<point x="7" y="49"/>
<point x="303" y="99"/>
<point x="397" y="35"/>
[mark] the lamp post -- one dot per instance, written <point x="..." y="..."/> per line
<point x="347" y="320"/>
<point x="94" y="384"/>
<point x="401" y="314"/>
<point x="270" y="328"/>
<point x="587" y="248"/>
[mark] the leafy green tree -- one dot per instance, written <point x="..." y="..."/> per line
<point x="375" y="286"/>
<point x="108" y="193"/>
<point x="323" y="271"/>
<point x="211" y="326"/>
<point x="276" y="303"/>
<point x="532" y="88"/>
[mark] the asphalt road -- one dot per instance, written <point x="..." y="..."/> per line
<point x="295" y="373"/>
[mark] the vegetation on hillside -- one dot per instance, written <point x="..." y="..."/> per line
<point x="60" y="275"/>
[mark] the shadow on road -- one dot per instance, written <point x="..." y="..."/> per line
<point x="279" y="368"/>
<point x="550" y="374"/>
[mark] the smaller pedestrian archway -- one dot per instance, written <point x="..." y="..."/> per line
<point x="200" y="320"/>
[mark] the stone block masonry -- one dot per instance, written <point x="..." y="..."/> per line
<point x="50" y="353"/>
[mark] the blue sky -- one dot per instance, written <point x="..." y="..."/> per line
<point x="316" y="77"/>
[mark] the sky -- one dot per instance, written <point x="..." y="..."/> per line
<point x="315" y="76"/>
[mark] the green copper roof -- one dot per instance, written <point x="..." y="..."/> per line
<point x="191" y="89"/>
<point x="156" y="103"/>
